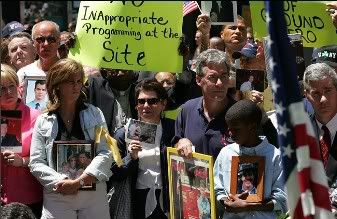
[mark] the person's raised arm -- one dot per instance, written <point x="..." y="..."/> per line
<point x="204" y="26"/>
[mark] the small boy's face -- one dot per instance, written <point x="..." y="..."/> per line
<point x="240" y="132"/>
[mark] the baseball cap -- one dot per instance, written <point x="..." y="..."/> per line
<point x="249" y="50"/>
<point x="326" y="54"/>
<point x="12" y="28"/>
<point x="244" y="168"/>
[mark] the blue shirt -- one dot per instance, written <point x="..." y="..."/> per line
<point x="273" y="179"/>
<point x="41" y="106"/>
<point x="204" y="206"/>
<point x="207" y="137"/>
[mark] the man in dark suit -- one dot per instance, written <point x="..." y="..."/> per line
<point x="114" y="93"/>
<point x="320" y="84"/>
<point x="7" y="139"/>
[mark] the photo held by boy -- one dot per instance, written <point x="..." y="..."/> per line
<point x="243" y="119"/>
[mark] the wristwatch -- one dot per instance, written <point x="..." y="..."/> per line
<point x="82" y="183"/>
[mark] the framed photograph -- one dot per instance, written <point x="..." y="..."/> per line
<point x="191" y="186"/>
<point x="10" y="137"/>
<point x="142" y="131"/>
<point x="248" y="175"/>
<point x="35" y="93"/>
<point x="72" y="157"/>
<point x="248" y="80"/>
<point x="220" y="12"/>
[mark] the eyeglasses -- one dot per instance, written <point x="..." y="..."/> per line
<point x="42" y="39"/>
<point x="10" y="89"/>
<point x="150" y="101"/>
<point x="214" y="78"/>
<point x="73" y="83"/>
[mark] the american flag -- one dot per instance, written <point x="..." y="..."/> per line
<point x="189" y="6"/>
<point x="305" y="180"/>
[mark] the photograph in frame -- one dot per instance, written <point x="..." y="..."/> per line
<point x="248" y="80"/>
<point x="142" y="131"/>
<point x="11" y="136"/>
<point x="220" y="12"/>
<point x="191" y="186"/>
<point x="247" y="174"/>
<point x="73" y="157"/>
<point x="35" y="93"/>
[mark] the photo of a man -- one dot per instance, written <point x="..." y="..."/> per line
<point x="6" y="138"/>
<point x="40" y="92"/>
<point x="247" y="178"/>
<point x="247" y="85"/>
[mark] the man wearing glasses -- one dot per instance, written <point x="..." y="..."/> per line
<point x="114" y="93"/>
<point x="46" y="37"/>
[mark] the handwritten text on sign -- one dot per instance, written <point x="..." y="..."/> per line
<point x="307" y="18"/>
<point x="132" y="35"/>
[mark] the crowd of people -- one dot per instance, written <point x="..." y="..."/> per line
<point x="198" y="110"/>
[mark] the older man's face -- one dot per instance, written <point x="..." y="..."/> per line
<point x="21" y="52"/>
<point x="323" y="97"/>
<point x="235" y="36"/>
<point x="46" y="41"/>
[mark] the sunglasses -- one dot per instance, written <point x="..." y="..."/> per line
<point x="150" y="101"/>
<point x="42" y="39"/>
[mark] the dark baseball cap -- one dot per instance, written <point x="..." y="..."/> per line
<point x="12" y="28"/>
<point x="326" y="54"/>
<point x="249" y="50"/>
<point x="244" y="168"/>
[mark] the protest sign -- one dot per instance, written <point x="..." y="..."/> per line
<point x="131" y="35"/>
<point x="310" y="19"/>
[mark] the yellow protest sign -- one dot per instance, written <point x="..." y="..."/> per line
<point x="310" y="19"/>
<point x="131" y="35"/>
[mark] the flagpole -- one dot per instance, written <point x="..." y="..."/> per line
<point x="199" y="8"/>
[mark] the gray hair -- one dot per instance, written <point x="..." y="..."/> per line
<point x="317" y="72"/>
<point x="21" y="35"/>
<point x="210" y="56"/>
<point x="56" y="26"/>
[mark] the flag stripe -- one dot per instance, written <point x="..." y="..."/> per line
<point x="189" y="6"/>
<point x="304" y="174"/>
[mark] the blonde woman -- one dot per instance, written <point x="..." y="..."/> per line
<point x="69" y="118"/>
<point x="18" y="184"/>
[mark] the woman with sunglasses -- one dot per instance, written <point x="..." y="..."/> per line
<point x="18" y="184"/>
<point x="68" y="118"/>
<point x="145" y="168"/>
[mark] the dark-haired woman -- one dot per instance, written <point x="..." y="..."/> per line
<point x="146" y="166"/>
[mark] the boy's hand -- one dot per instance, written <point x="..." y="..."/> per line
<point x="236" y="203"/>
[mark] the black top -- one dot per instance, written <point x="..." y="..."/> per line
<point x="76" y="132"/>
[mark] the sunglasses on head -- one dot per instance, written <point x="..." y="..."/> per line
<point x="150" y="101"/>
<point x="42" y="39"/>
